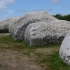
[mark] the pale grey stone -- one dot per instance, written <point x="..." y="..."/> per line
<point x="46" y="32"/>
<point x="18" y="28"/>
<point x="64" y="52"/>
<point x="4" y="25"/>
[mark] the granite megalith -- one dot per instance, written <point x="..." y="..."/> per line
<point x="46" y="32"/>
<point x="4" y="25"/>
<point x="64" y="52"/>
<point x="17" y="29"/>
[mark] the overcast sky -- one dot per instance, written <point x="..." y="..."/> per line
<point x="14" y="8"/>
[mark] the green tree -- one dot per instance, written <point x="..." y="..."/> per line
<point x="58" y="16"/>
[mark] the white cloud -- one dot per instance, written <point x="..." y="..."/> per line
<point x="53" y="1"/>
<point x="11" y="11"/>
<point x="22" y="10"/>
<point x="4" y="3"/>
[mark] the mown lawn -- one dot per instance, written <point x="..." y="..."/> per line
<point x="46" y="57"/>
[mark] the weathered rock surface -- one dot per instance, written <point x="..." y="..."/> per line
<point x="4" y="25"/>
<point x="4" y="22"/>
<point x="18" y="28"/>
<point x="64" y="52"/>
<point x="46" y="32"/>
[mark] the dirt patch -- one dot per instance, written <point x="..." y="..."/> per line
<point x="13" y="60"/>
<point x="50" y="50"/>
<point x="19" y="56"/>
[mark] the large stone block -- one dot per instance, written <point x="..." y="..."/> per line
<point x="64" y="52"/>
<point x="46" y="32"/>
<point x="4" y="25"/>
<point x="18" y="28"/>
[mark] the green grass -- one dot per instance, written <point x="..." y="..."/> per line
<point x="46" y="56"/>
<point x="55" y="63"/>
<point x="9" y="43"/>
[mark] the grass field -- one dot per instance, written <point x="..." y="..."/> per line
<point x="18" y="55"/>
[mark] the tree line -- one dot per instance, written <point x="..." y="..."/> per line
<point x="62" y="17"/>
